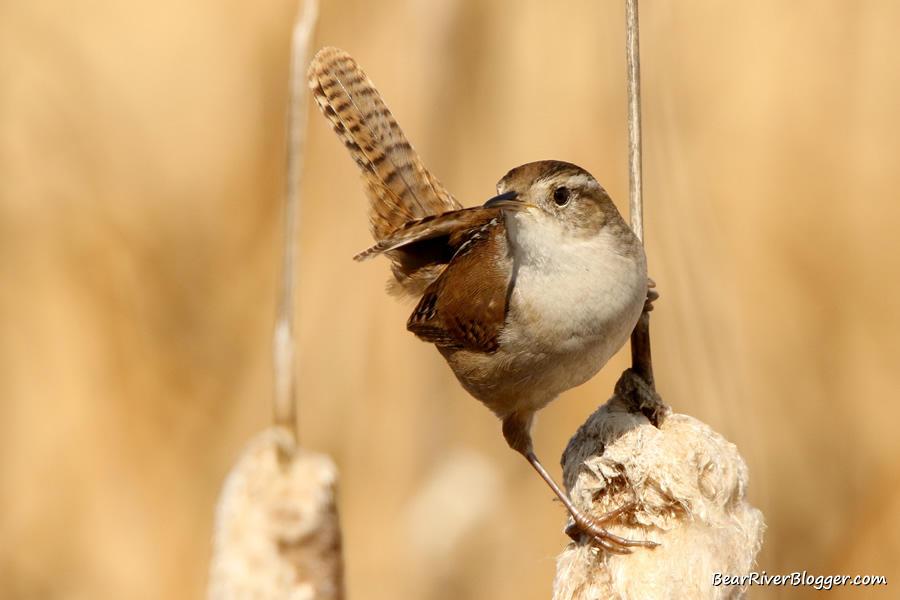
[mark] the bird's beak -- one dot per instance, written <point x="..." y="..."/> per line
<point x="506" y="201"/>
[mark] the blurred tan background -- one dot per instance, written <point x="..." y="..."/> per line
<point x="141" y="169"/>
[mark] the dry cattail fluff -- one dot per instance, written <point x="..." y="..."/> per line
<point x="690" y="486"/>
<point x="277" y="533"/>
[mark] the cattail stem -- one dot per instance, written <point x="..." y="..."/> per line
<point x="633" y="68"/>
<point x="277" y="532"/>
<point x="640" y="339"/>
<point x="285" y="400"/>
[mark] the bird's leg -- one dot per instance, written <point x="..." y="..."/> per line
<point x="641" y="363"/>
<point x="516" y="430"/>
<point x="593" y="526"/>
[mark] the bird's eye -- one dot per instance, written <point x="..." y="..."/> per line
<point x="561" y="196"/>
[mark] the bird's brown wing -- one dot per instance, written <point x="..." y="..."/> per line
<point x="456" y="226"/>
<point x="399" y="187"/>
<point x="465" y="306"/>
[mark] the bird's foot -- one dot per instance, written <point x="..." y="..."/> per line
<point x="594" y="527"/>
<point x="652" y="295"/>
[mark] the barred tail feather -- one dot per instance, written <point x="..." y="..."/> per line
<point x="399" y="187"/>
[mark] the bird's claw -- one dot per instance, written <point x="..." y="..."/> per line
<point x="593" y="526"/>
<point x="652" y="295"/>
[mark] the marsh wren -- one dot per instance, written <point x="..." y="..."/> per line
<point x="525" y="297"/>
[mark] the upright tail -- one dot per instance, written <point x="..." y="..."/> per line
<point x="399" y="187"/>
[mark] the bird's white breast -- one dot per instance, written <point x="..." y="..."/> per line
<point x="574" y="300"/>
